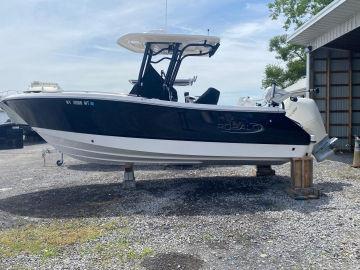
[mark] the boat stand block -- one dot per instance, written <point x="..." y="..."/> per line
<point x="129" y="178"/>
<point x="264" y="170"/>
<point x="302" y="179"/>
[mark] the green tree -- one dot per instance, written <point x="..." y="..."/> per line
<point x="293" y="58"/>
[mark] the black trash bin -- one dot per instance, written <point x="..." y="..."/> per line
<point x="11" y="136"/>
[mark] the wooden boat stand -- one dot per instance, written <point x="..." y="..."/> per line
<point x="302" y="179"/>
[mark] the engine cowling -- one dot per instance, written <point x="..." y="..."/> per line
<point x="306" y="113"/>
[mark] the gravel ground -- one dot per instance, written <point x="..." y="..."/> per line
<point x="181" y="218"/>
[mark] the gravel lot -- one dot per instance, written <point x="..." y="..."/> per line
<point x="177" y="218"/>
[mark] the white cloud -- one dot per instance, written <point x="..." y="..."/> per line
<point x="252" y="29"/>
<point x="258" y="8"/>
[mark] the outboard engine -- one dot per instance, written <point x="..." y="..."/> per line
<point x="306" y="113"/>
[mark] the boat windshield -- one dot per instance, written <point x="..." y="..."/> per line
<point x="150" y="84"/>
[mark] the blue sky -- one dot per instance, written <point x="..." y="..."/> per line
<point x="74" y="43"/>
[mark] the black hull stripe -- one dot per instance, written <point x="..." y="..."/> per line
<point x="138" y="120"/>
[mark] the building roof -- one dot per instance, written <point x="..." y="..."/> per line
<point x="335" y="20"/>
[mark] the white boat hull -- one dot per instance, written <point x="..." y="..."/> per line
<point x="121" y="150"/>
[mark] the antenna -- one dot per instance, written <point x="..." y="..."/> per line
<point x="166" y="8"/>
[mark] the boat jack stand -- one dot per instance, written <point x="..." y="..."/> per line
<point x="129" y="177"/>
<point x="302" y="179"/>
<point x="264" y="170"/>
<point x="48" y="151"/>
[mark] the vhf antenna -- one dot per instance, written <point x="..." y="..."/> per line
<point x="166" y="8"/>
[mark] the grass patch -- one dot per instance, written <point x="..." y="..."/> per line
<point x="207" y="237"/>
<point x="120" y="249"/>
<point x="47" y="240"/>
<point x="146" y="252"/>
<point x="123" y="248"/>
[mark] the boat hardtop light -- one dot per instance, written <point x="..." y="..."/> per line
<point x="136" y="42"/>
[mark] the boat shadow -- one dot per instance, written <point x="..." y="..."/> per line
<point x="201" y="196"/>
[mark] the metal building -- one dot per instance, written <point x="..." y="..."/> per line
<point x="333" y="65"/>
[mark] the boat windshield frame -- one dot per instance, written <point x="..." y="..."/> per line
<point x="177" y="53"/>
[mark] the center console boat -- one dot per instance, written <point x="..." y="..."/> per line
<point x="149" y="125"/>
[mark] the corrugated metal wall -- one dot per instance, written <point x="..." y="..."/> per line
<point x="337" y="74"/>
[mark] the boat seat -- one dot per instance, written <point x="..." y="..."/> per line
<point x="152" y="86"/>
<point x="211" y="97"/>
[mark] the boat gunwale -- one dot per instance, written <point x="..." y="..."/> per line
<point x="145" y="101"/>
